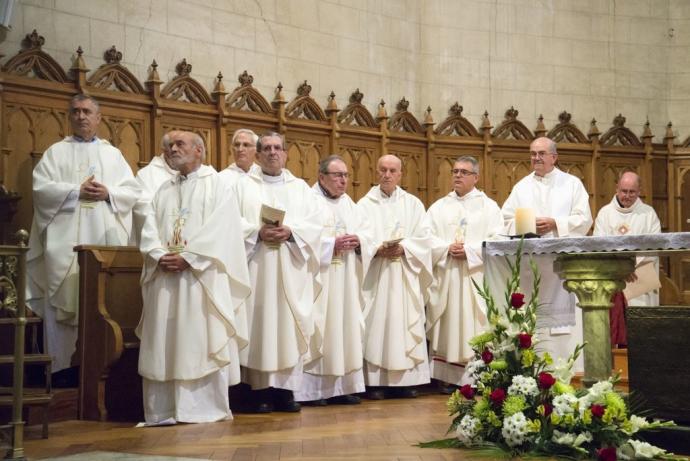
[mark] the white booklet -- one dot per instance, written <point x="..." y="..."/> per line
<point x="647" y="280"/>
<point x="270" y="215"/>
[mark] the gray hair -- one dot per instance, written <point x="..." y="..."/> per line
<point x="165" y="142"/>
<point x="254" y="137"/>
<point x="325" y="163"/>
<point x="469" y="159"/>
<point x="84" y="97"/>
<point x="270" y="134"/>
<point x="198" y="141"/>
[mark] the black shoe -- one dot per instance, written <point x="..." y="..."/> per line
<point x="345" y="400"/>
<point x="262" y="407"/>
<point x="446" y="389"/>
<point x="314" y="403"/>
<point x="258" y="401"/>
<point x="374" y="393"/>
<point x="284" y="400"/>
<point x="403" y="392"/>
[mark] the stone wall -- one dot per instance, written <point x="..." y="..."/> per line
<point x="593" y="58"/>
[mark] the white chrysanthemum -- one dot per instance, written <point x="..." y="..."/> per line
<point x="645" y="450"/>
<point x="523" y="385"/>
<point x="598" y="390"/>
<point x="468" y="429"/>
<point x="564" y="404"/>
<point x="515" y="429"/>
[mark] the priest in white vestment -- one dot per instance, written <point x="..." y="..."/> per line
<point x="395" y="286"/>
<point x="283" y="256"/>
<point x="460" y="222"/>
<point x="627" y="214"/>
<point x="561" y="206"/>
<point x="194" y="283"/>
<point x="243" y="147"/>
<point x="83" y="193"/>
<point x="336" y="372"/>
<point x="150" y="179"/>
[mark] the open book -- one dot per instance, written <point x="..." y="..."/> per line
<point x="647" y="280"/>
<point x="273" y="216"/>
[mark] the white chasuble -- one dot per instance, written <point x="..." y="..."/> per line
<point x="455" y="311"/>
<point x="150" y="179"/>
<point x="561" y="196"/>
<point x="192" y="328"/>
<point x="232" y="173"/>
<point x="285" y="279"/>
<point x="394" y="291"/>
<point x="337" y="365"/>
<point x="61" y="221"/>
<point x="639" y="218"/>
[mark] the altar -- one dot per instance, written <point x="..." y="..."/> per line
<point x="592" y="268"/>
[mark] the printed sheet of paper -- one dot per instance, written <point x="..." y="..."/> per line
<point x="270" y="215"/>
<point x="647" y="280"/>
<point x="390" y="243"/>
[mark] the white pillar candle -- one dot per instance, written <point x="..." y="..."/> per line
<point x="525" y="221"/>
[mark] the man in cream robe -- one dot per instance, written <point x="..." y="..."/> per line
<point x="194" y="282"/>
<point x="627" y="214"/>
<point x="243" y="146"/>
<point x="150" y="179"/>
<point x="394" y="287"/>
<point x="83" y="191"/>
<point x="561" y="206"/>
<point x="284" y="269"/>
<point x="336" y="373"/>
<point x="460" y="222"/>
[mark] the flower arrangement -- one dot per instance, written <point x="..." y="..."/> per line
<point x="522" y="402"/>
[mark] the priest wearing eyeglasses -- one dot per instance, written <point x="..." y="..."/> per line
<point x="460" y="222"/>
<point x="335" y="372"/>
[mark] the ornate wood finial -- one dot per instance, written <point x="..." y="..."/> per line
<point x="79" y="63"/>
<point x="356" y="97"/>
<point x="112" y="56"/>
<point x="647" y="131"/>
<point x="669" y="131"/>
<point x="381" y="113"/>
<point x="564" y="117"/>
<point x="304" y="89"/>
<point x="22" y="236"/>
<point x="619" y="121"/>
<point x="153" y="72"/>
<point x="428" y="119"/>
<point x="279" y="93"/>
<point x="402" y="105"/>
<point x="331" y="106"/>
<point x="540" y="125"/>
<point x="33" y="40"/>
<point x="511" y="114"/>
<point x="486" y="123"/>
<point x="593" y="130"/>
<point x="455" y="110"/>
<point x="219" y="87"/>
<point x="182" y="68"/>
<point x="245" y="79"/>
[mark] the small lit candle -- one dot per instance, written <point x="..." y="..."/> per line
<point x="525" y="221"/>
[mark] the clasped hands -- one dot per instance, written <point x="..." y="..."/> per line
<point x="93" y="190"/>
<point x="392" y="251"/>
<point x="270" y="233"/>
<point x="457" y="250"/>
<point x="545" y="225"/>
<point x="172" y="262"/>
<point x="345" y="242"/>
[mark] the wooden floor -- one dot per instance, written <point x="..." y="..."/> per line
<point x="374" y="430"/>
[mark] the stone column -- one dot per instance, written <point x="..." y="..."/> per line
<point x="594" y="278"/>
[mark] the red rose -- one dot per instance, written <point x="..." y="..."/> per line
<point x="467" y="391"/>
<point x="497" y="396"/>
<point x="546" y="380"/>
<point x="487" y="356"/>
<point x="548" y="408"/>
<point x="525" y="340"/>
<point x="517" y="300"/>
<point x="597" y="410"/>
<point x="606" y="454"/>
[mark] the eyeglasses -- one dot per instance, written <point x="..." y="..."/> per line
<point x="462" y="172"/>
<point x="337" y="174"/>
